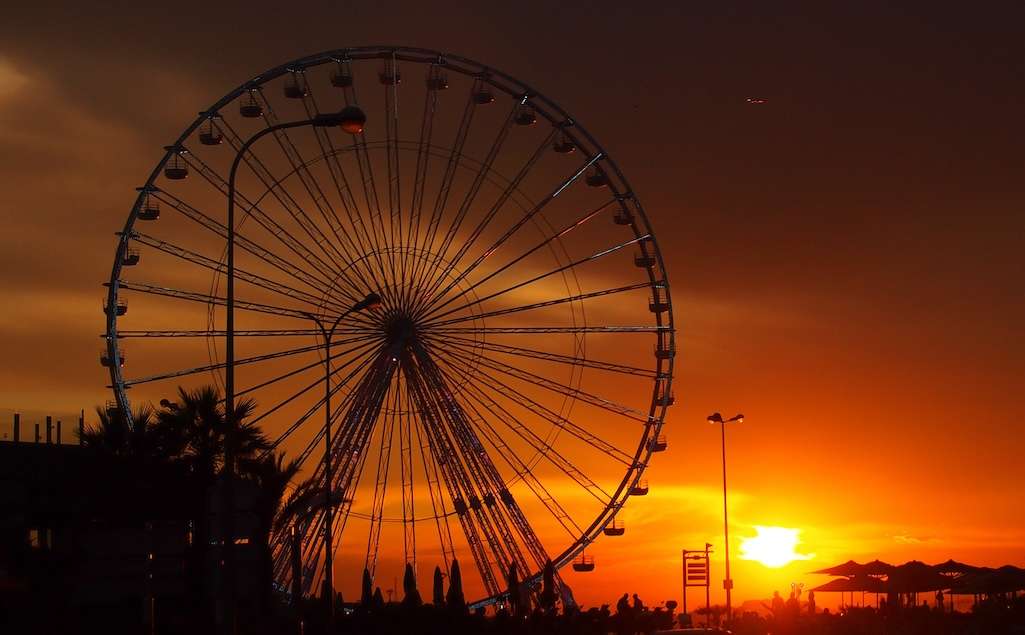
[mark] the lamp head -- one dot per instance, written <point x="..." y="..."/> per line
<point x="715" y="417"/>
<point x="739" y="418"/>
<point x="372" y="301"/>
<point x="351" y="119"/>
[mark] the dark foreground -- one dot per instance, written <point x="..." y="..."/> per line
<point x="992" y="617"/>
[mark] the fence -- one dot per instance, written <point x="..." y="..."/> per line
<point x="35" y="426"/>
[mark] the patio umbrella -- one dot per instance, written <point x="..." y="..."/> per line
<point x="1006" y="579"/>
<point x="915" y="577"/>
<point x="877" y="567"/>
<point x="953" y="566"/>
<point x="847" y="569"/>
<point x="854" y="584"/>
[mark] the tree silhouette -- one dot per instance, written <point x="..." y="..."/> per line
<point x="439" y="588"/>
<point x="367" y="592"/>
<point x="513" y="589"/>
<point x="412" y="596"/>
<point x="170" y="461"/>
<point x="548" y="594"/>
<point x="455" y="598"/>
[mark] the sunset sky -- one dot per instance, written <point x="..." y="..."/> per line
<point x="846" y="258"/>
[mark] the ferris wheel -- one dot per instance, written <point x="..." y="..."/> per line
<point x="443" y="264"/>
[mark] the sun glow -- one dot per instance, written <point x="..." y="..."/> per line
<point x="773" y="547"/>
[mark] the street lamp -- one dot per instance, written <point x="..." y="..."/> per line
<point x="351" y="119"/>
<point x="371" y="301"/>
<point x="716" y="418"/>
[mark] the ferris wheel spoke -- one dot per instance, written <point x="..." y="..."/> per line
<point x="218" y="366"/>
<point x="420" y="275"/>
<point x="242" y="274"/>
<point x="432" y="479"/>
<point x="507" y="518"/>
<point x="284" y="402"/>
<point x="540" y="410"/>
<point x="323" y="136"/>
<point x="404" y="421"/>
<point x="336" y="172"/>
<point x="505" y="237"/>
<point x="482" y="388"/>
<point x="380" y="486"/>
<point x="307" y="178"/>
<point x="355" y="433"/>
<point x="316" y="364"/>
<point x="373" y="203"/>
<point x="480" y="392"/>
<point x="517" y="465"/>
<point x="553" y="357"/>
<point x="434" y="307"/>
<point x="251" y="246"/>
<point x="419" y="184"/>
<point x="238" y="333"/>
<point x="391" y="129"/>
<point x="460" y="215"/>
<point x="204" y="298"/>
<point x="571" y="265"/>
<point x="459" y="486"/>
<point x="560" y="388"/>
<point x="544" y="304"/>
<point x="253" y="210"/>
<point x="354" y="239"/>
<point x="542" y="330"/>
<point x="366" y="179"/>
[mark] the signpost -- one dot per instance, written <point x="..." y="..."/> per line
<point x="696" y="572"/>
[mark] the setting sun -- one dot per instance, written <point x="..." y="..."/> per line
<point x="773" y="546"/>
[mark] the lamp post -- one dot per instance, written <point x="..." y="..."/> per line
<point x="351" y="119"/>
<point x="727" y="584"/>
<point x="372" y="300"/>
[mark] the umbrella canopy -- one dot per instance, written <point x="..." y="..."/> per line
<point x="953" y="566"/>
<point x="877" y="567"/>
<point x="1006" y="579"/>
<point x="848" y="569"/>
<point x="853" y="584"/>
<point x="916" y="577"/>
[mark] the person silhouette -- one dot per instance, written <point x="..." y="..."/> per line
<point x="811" y="602"/>
<point x="623" y="605"/>
<point x="777" y="604"/>
<point x="638" y="605"/>
<point x="793" y="606"/>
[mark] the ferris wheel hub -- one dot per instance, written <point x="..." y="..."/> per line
<point x="400" y="330"/>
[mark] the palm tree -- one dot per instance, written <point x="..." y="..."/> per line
<point x="117" y="435"/>
<point x="271" y="473"/>
<point x="174" y="457"/>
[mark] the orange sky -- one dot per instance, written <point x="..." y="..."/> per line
<point x="846" y="259"/>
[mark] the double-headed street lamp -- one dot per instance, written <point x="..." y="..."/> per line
<point x="727" y="584"/>
<point x="371" y="301"/>
<point x="350" y="119"/>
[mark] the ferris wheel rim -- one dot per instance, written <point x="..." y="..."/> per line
<point x="544" y="107"/>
